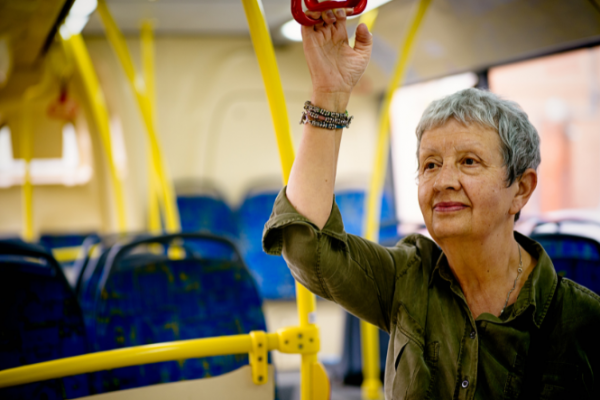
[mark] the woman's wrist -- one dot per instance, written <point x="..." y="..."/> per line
<point x="331" y="101"/>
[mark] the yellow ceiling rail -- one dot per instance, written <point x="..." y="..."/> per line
<point x="154" y="193"/>
<point x="314" y="383"/>
<point x="117" y="41"/>
<point x="371" y="387"/>
<point x="93" y="96"/>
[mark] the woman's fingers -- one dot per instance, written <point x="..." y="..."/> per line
<point x="313" y="14"/>
<point x="364" y="39"/>
<point x="331" y="25"/>
<point x="329" y="17"/>
<point x="340" y="33"/>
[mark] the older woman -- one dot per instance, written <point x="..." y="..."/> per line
<point x="483" y="315"/>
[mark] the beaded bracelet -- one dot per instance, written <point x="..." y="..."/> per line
<point x="321" y="118"/>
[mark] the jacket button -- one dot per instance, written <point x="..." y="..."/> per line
<point x="465" y="384"/>
<point x="473" y="334"/>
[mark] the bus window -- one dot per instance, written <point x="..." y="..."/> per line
<point x="561" y="95"/>
<point x="73" y="168"/>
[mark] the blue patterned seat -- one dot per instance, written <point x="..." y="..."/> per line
<point x="575" y="257"/>
<point x="352" y="207"/>
<point x="40" y="320"/>
<point x="143" y="296"/>
<point x="275" y="281"/>
<point x="53" y="241"/>
<point x="71" y="268"/>
<point x="207" y="213"/>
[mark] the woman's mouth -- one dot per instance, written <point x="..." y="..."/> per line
<point x="449" y="206"/>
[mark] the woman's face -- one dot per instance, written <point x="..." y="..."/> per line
<point x="462" y="182"/>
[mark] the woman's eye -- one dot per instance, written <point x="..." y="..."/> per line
<point x="470" y="161"/>
<point x="430" y="165"/>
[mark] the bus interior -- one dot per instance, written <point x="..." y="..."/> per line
<point x="143" y="144"/>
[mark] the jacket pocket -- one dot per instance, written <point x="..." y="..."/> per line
<point x="561" y="381"/>
<point x="415" y="361"/>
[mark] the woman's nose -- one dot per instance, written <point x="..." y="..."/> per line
<point x="447" y="178"/>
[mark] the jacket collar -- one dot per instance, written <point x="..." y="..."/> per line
<point x="536" y="293"/>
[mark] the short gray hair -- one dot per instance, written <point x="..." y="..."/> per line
<point x="520" y="140"/>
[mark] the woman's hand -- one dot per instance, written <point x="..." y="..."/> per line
<point x="334" y="66"/>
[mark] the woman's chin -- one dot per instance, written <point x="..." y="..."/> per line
<point x="441" y="230"/>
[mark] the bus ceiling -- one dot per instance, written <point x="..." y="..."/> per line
<point x="457" y="35"/>
<point x="29" y="27"/>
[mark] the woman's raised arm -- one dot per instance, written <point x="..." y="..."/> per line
<point x="335" y="68"/>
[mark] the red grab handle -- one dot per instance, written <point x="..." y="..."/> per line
<point x="358" y="7"/>
<point x="314" y="5"/>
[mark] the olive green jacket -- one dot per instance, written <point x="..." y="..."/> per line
<point x="437" y="349"/>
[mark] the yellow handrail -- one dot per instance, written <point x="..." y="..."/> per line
<point x="67" y="254"/>
<point x="154" y="197"/>
<point x="117" y="41"/>
<point x="311" y="371"/>
<point x="291" y="340"/>
<point x="76" y="50"/>
<point x="153" y="353"/>
<point x="372" y="385"/>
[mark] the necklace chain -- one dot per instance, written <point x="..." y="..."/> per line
<point x="519" y="271"/>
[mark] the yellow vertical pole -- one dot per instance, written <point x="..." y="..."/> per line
<point x="372" y="385"/>
<point x="75" y="48"/>
<point x="117" y="41"/>
<point x="154" y="196"/>
<point x="263" y="47"/>
<point x="26" y="137"/>
<point x="27" y="189"/>
<point x="314" y="384"/>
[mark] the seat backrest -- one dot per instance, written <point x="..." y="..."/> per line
<point x="207" y="213"/>
<point x="52" y="241"/>
<point x="144" y="296"/>
<point x="72" y="267"/>
<point x="574" y="257"/>
<point x="275" y="281"/>
<point x="40" y="320"/>
<point x="352" y="207"/>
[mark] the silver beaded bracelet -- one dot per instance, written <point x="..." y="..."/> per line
<point x="321" y="118"/>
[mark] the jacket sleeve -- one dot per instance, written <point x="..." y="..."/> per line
<point x="357" y="274"/>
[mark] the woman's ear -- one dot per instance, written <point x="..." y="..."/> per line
<point x="526" y="184"/>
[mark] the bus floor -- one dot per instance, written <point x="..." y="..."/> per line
<point x="288" y="386"/>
